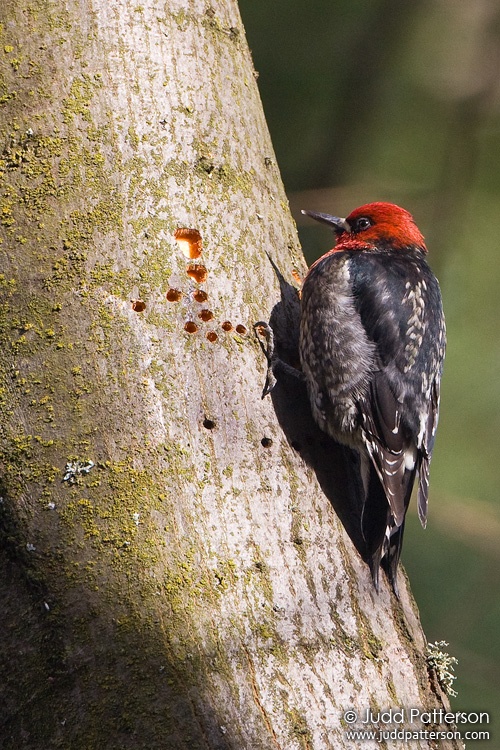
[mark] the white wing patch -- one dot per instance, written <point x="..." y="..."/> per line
<point x="416" y="322"/>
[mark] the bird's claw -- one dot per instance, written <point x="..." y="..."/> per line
<point x="264" y="330"/>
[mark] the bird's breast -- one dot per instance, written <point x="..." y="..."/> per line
<point x="337" y="357"/>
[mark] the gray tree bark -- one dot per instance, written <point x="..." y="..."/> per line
<point x="172" y="575"/>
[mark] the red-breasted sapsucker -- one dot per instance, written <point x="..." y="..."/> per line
<point x="372" y="343"/>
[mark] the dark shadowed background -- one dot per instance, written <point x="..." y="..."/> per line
<point x="386" y="100"/>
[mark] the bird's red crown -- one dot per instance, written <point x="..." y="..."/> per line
<point x="380" y="223"/>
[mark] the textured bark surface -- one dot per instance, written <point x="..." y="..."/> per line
<point x="195" y="588"/>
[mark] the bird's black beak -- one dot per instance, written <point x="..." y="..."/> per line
<point x="337" y="224"/>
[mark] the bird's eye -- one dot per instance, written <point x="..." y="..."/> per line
<point x="362" y="223"/>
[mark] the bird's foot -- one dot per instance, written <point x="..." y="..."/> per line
<point x="265" y="337"/>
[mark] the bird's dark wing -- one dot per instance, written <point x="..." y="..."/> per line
<point x="399" y="303"/>
<point x="387" y="445"/>
<point x="389" y="432"/>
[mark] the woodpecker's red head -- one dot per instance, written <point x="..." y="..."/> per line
<point x="375" y="225"/>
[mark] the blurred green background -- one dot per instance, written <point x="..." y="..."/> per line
<point x="398" y="101"/>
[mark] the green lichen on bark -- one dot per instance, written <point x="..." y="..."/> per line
<point x="59" y="201"/>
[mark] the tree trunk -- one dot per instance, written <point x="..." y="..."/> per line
<point x="172" y="575"/>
